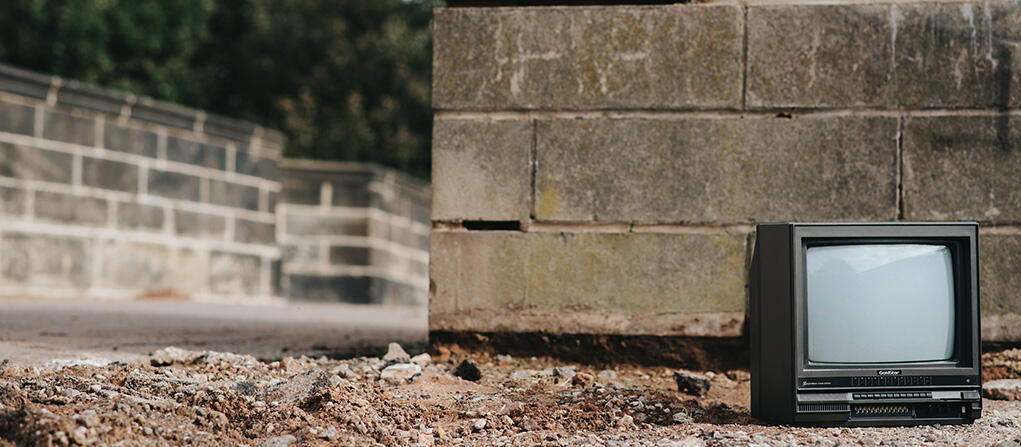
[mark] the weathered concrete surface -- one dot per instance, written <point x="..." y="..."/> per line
<point x="684" y="56"/>
<point x="662" y="284"/>
<point x="717" y="170"/>
<point x="481" y="169"/>
<point x="999" y="262"/>
<point x="963" y="167"/>
<point x="881" y="55"/>
<point x="35" y="331"/>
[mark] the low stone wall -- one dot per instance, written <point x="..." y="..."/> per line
<point x="107" y="195"/>
<point x="600" y="169"/>
<point x="353" y="232"/>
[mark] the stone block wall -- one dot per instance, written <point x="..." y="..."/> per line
<point x="353" y="232"/>
<point x="107" y="195"/>
<point x="601" y="169"/>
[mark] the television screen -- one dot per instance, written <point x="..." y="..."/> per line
<point x="879" y="303"/>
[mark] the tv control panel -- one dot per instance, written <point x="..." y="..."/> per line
<point x="892" y="407"/>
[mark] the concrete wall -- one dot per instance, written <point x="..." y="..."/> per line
<point x="353" y="232"/>
<point x="107" y="195"/>
<point x="600" y="169"/>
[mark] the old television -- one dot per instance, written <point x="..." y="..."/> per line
<point x="865" y="323"/>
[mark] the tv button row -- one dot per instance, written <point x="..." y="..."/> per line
<point x="891" y="395"/>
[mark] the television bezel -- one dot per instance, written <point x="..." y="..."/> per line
<point x="961" y="237"/>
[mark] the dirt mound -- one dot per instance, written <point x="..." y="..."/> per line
<point x="209" y="398"/>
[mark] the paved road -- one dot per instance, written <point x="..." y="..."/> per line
<point x="39" y="331"/>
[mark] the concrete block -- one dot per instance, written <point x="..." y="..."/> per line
<point x="348" y="289"/>
<point x="252" y="232"/>
<point x="480" y="170"/>
<point x="129" y="139"/>
<point x="109" y="174"/>
<point x="164" y="113"/>
<point x="24" y="82"/>
<point x="234" y="195"/>
<point x="61" y="126"/>
<point x="70" y="209"/>
<point x="12" y="201"/>
<point x="195" y="153"/>
<point x="17" y="118"/>
<point x="45" y="260"/>
<point x="29" y="163"/>
<point x="958" y="55"/>
<point x="300" y="254"/>
<point x="353" y="193"/>
<point x="884" y="55"/>
<point x="173" y="185"/>
<point x="249" y="164"/>
<point x="192" y="224"/>
<point x="233" y="129"/>
<point x="820" y="55"/>
<point x="312" y="225"/>
<point x="659" y="284"/>
<point x="135" y="216"/>
<point x="999" y="258"/>
<point x="349" y="255"/>
<point x="725" y="170"/>
<point x="77" y="94"/>
<point x="683" y="56"/>
<point x="299" y="190"/>
<point x="137" y="266"/>
<point x="962" y="168"/>
<point x="234" y="274"/>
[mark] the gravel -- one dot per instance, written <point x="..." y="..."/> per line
<point x="212" y="398"/>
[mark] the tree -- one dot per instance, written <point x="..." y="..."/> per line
<point x="345" y="80"/>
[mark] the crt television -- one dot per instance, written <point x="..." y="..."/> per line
<point x="865" y="323"/>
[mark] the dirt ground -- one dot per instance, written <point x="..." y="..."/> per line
<point x="209" y="398"/>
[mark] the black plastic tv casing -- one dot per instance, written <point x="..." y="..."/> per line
<point x="787" y="388"/>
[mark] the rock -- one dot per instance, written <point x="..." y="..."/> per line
<point x="523" y="374"/>
<point x="172" y="355"/>
<point x="691" y="383"/>
<point x="681" y="417"/>
<point x="245" y="387"/>
<point x="512" y="408"/>
<point x="395" y="354"/>
<point x="291" y="365"/>
<point x="80" y="435"/>
<point x="343" y="370"/>
<point x="503" y="358"/>
<point x="468" y="370"/>
<point x="299" y="388"/>
<point x="607" y="375"/>
<point x="567" y="372"/>
<point x="279" y="441"/>
<point x="1003" y="389"/>
<point x="582" y="379"/>
<point x="329" y="434"/>
<point x="868" y="442"/>
<point x="400" y="373"/>
<point x="625" y="421"/>
<point x="507" y="420"/>
<point x="479" y="424"/>
<point x="423" y="359"/>
<point x="88" y="418"/>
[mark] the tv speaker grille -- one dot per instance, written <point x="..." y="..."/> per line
<point x="822" y="408"/>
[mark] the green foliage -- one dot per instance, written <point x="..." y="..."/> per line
<point x="345" y="80"/>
